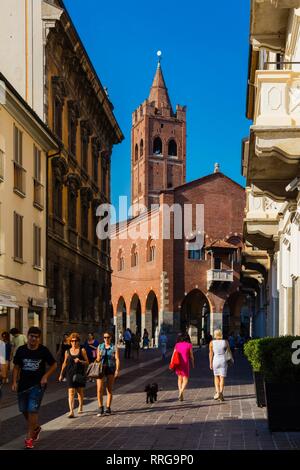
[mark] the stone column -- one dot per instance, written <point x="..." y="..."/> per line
<point x="289" y="310"/>
<point x="148" y="323"/>
<point x="143" y="323"/>
<point x="24" y="320"/>
<point x="11" y="318"/>
<point x="216" y="321"/>
<point x="132" y="322"/>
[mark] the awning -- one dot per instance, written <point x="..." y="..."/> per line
<point x="8" y="304"/>
<point x="7" y="300"/>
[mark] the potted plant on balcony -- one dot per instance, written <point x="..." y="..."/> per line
<point x="282" y="382"/>
<point x="252" y="351"/>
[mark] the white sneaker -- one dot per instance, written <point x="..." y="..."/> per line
<point x="216" y="396"/>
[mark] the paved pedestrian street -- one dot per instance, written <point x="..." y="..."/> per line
<point x="198" y="422"/>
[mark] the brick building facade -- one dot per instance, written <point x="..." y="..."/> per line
<point x="189" y="279"/>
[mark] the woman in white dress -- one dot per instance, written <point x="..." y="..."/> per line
<point x="218" y="363"/>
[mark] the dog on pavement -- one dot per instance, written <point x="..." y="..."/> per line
<point x="151" y="390"/>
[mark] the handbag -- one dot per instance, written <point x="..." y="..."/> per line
<point x="175" y="360"/>
<point x="229" y="357"/>
<point x="95" y="370"/>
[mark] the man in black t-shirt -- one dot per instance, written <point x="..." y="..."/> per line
<point x="30" y="380"/>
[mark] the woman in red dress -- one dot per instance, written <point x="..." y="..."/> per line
<point x="185" y="350"/>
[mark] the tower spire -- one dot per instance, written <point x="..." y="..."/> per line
<point x="159" y="92"/>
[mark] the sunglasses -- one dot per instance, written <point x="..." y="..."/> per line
<point x="106" y="337"/>
<point x="74" y="341"/>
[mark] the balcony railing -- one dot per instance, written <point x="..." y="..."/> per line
<point x="277" y="98"/>
<point x="219" y="275"/>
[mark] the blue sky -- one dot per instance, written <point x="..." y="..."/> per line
<point x="205" y="59"/>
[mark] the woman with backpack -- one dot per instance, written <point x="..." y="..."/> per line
<point x="108" y="355"/>
<point x="74" y="367"/>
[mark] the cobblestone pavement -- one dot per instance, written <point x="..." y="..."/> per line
<point x="198" y="422"/>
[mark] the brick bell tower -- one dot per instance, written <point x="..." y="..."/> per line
<point x="158" y="146"/>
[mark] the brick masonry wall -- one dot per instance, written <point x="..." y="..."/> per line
<point x="172" y="274"/>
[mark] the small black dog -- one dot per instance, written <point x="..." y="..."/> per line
<point x="151" y="390"/>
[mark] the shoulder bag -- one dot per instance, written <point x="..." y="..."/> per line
<point x="229" y="357"/>
<point x="175" y="360"/>
<point x="95" y="370"/>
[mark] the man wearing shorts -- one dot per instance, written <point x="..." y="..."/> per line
<point x="30" y="380"/>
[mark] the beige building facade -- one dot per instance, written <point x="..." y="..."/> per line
<point x="271" y="165"/>
<point x="43" y="56"/>
<point x="25" y="143"/>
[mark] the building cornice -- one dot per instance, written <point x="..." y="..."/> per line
<point x="87" y="67"/>
<point x="26" y="117"/>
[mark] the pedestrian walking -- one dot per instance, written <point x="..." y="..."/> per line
<point x="18" y="340"/>
<point x="162" y="342"/>
<point x="184" y="349"/>
<point x="8" y="356"/>
<point x="145" y="339"/>
<point x="121" y="338"/>
<point x="108" y="355"/>
<point x="218" y="362"/>
<point x="91" y="346"/>
<point x="30" y="380"/>
<point x="127" y="340"/>
<point x="135" y="342"/>
<point x="74" y="367"/>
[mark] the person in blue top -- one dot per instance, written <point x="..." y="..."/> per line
<point x="91" y="346"/>
<point x="108" y="354"/>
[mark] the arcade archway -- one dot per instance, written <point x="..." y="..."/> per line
<point x="121" y="315"/>
<point x="195" y="315"/>
<point x="135" y="315"/>
<point x="236" y="313"/>
<point x="151" y="316"/>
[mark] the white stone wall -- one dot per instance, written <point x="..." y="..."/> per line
<point x="21" y="49"/>
<point x="24" y="25"/>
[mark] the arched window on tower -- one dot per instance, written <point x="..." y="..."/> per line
<point x="150" y="250"/>
<point x="141" y="148"/>
<point x="134" y="256"/>
<point x="136" y="152"/>
<point x="157" y="146"/>
<point x="172" y="148"/>
<point x="121" y="261"/>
